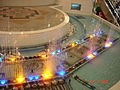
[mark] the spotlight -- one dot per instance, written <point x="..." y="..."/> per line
<point x="91" y="36"/>
<point x="61" y="73"/>
<point x="1" y="59"/>
<point x="12" y="59"/>
<point x="3" y="82"/>
<point x="33" y="78"/>
<point x="90" y="56"/>
<point x="47" y="75"/>
<point x="53" y="53"/>
<point x="94" y="35"/>
<point x="77" y="42"/>
<point x="73" y="44"/>
<point x="58" y="51"/>
<point x="20" y="79"/>
<point x="43" y="56"/>
<point x="30" y="78"/>
<point x="108" y="44"/>
<point x="111" y="42"/>
<point x="82" y="40"/>
<point x="95" y="53"/>
<point x="37" y="77"/>
<point x="101" y="32"/>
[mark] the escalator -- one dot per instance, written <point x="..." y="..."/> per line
<point x="113" y="11"/>
<point x="108" y="12"/>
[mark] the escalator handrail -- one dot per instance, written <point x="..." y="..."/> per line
<point x="116" y="12"/>
<point x="111" y="11"/>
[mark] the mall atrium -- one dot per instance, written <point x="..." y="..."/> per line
<point x="59" y="44"/>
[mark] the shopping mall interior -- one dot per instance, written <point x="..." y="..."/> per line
<point x="59" y="44"/>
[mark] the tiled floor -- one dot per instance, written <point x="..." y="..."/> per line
<point x="104" y="67"/>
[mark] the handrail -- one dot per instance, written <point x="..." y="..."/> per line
<point x="113" y="12"/>
<point x="116" y="12"/>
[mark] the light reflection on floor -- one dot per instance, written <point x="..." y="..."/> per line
<point x="104" y="67"/>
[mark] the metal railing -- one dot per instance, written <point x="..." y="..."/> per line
<point x="113" y="11"/>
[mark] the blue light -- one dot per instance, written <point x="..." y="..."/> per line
<point x="3" y="82"/>
<point x="58" y="51"/>
<point x="77" y="42"/>
<point x="95" y="53"/>
<point x="33" y="78"/>
<point x="82" y="40"/>
<point x="88" y="57"/>
<point x="111" y="42"/>
<point x="36" y="77"/>
<point x="30" y="78"/>
<point x="97" y="33"/>
<point x="53" y="53"/>
<point x="61" y="73"/>
<point x="93" y="34"/>
<point x="1" y="59"/>
<point x="101" y="32"/>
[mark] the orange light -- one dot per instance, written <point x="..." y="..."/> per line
<point x="12" y="59"/>
<point x="73" y="45"/>
<point x="20" y="79"/>
<point x="47" y="75"/>
<point x="43" y="56"/>
<point x="108" y="45"/>
<point x="91" y="36"/>
<point x="90" y="56"/>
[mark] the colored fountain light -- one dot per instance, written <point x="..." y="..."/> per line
<point x="12" y="59"/>
<point x="73" y="44"/>
<point x="30" y="78"/>
<point x="43" y="56"/>
<point x="61" y="73"/>
<point x="101" y="32"/>
<point x="46" y="75"/>
<point x="94" y="35"/>
<point x="33" y="78"/>
<point x="53" y="53"/>
<point x="36" y="77"/>
<point x="108" y="44"/>
<point x="58" y="51"/>
<point x="91" y="36"/>
<point x="20" y="79"/>
<point x="3" y="82"/>
<point x="77" y="42"/>
<point x="82" y="40"/>
<point x="90" y="56"/>
<point x="1" y="59"/>
<point x="95" y="53"/>
<point x="111" y="42"/>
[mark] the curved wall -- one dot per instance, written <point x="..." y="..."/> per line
<point x="28" y="40"/>
<point x="26" y="2"/>
<point x="37" y="37"/>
